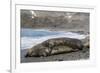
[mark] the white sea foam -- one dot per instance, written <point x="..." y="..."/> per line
<point x="28" y="42"/>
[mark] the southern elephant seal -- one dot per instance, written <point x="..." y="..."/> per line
<point x="55" y="46"/>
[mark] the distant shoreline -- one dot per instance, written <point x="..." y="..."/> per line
<point x="83" y="31"/>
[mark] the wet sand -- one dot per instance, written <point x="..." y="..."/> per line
<point x="79" y="55"/>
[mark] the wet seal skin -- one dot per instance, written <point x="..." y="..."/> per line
<point x="55" y="46"/>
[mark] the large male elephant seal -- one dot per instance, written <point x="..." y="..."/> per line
<point x="55" y="46"/>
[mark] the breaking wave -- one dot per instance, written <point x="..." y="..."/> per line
<point x="31" y="37"/>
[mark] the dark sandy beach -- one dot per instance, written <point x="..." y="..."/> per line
<point x="79" y="55"/>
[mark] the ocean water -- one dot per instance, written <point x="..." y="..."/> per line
<point x="31" y="37"/>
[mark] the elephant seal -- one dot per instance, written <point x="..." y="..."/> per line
<point x="55" y="46"/>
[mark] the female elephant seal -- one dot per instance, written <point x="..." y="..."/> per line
<point x="54" y="46"/>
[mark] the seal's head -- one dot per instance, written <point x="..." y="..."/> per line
<point x="30" y="53"/>
<point x="38" y="52"/>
